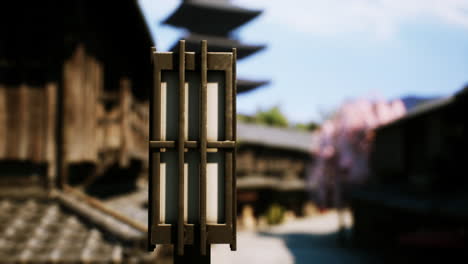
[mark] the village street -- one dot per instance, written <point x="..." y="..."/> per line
<point x="307" y="240"/>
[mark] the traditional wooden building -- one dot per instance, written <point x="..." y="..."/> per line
<point x="73" y="88"/>
<point x="272" y="165"/>
<point x="214" y="21"/>
<point x="74" y="80"/>
<point x="417" y="193"/>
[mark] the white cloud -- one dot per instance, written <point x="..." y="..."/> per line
<point x="381" y="18"/>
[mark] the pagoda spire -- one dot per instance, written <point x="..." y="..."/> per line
<point x="214" y="21"/>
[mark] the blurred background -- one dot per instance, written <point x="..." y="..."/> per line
<point x="352" y="127"/>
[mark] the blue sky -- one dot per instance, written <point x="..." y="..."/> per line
<point x="323" y="52"/>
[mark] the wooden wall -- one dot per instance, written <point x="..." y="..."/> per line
<point x="82" y="84"/>
<point x="89" y="128"/>
<point x="124" y="127"/>
<point x="27" y="123"/>
<point x="92" y="130"/>
<point x="253" y="160"/>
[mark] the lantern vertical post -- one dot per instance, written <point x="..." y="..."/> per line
<point x="233" y="244"/>
<point x="181" y="148"/>
<point x="203" y="136"/>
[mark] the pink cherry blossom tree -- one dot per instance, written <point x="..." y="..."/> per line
<point x="345" y="141"/>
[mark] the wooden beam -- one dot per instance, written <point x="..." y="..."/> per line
<point x="233" y="244"/>
<point x="180" y="148"/>
<point x="203" y="145"/>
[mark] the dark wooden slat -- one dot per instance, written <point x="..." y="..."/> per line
<point x="190" y="61"/>
<point x="180" y="147"/>
<point x="219" y="234"/>
<point x="155" y="158"/>
<point x="163" y="234"/>
<point x="228" y="154"/>
<point x="162" y="144"/>
<point x="203" y="146"/>
<point x="219" y="61"/>
<point x="233" y="244"/>
<point x="154" y="145"/>
<point x="191" y="144"/>
<point x="164" y="61"/>
<point x="193" y="256"/>
<point x="189" y="230"/>
<point x="221" y="144"/>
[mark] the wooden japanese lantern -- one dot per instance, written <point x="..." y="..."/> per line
<point x="192" y="192"/>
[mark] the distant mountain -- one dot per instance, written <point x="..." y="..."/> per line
<point x="412" y="101"/>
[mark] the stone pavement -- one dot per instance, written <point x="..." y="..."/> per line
<point x="306" y="240"/>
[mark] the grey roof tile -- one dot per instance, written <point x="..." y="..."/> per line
<point x="274" y="137"/>
<point x="41" y="230"/>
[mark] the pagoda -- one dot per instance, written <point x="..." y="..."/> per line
<point x="214" y="21"/>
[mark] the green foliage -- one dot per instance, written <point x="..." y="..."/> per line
<point x="307" y="127"/>
<point x="270" y="117"/>
<point x="274" y="117"/>
<point x="275" y="214"/>
<point x="246" y="118"/>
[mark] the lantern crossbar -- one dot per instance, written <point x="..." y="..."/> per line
<point x="157" y="145"/>
<point x="215" y="234"/>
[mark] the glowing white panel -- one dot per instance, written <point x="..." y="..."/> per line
<point x="162" y="194"/>
<point x="169" y="132"/>
<point x="163" y="110"/>
<point x="169" y="183"/>
<point x="163" y="198"/>
<point x="212" y="193"/>
<point x="212" y="111"/>
<point x="186" y="102"/>
<point x="168" y="171"/>
<point x="186" y="203"/>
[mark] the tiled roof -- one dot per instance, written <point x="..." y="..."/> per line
<point x="132" y="204"/>
<point x="261" y="182"/>
<point x="244" y="85"/>
<point x="420" y="110"/>
<point x="430" y="106"/>
<point x="43" y="230"/>
<point x="210" y="17"/>
<point x="289" y="139"/>
<point x="107" y="222"/>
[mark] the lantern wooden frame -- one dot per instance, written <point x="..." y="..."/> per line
<point x="202" y="233"/>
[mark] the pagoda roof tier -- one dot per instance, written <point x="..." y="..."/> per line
<point x="219" y="44"/>
<point x="210" y="17"/>
<point x="248" y="85"/>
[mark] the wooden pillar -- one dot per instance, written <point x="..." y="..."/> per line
<point x="60" y="162"/>
<point x="192" y="255"/>
<point x="22" y="140"/>
<point x="3" y="121"/>
<point x="125" y="105"/>
<point x="50" y="128"/>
